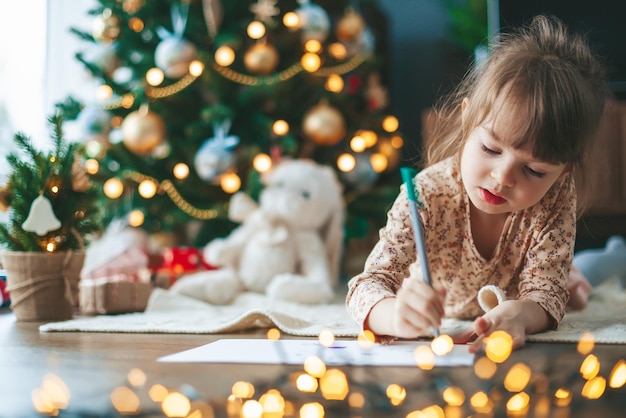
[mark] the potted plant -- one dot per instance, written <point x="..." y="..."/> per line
<point x="53" y="212"/>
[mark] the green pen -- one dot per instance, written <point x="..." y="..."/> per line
<point x="408" y="174"/>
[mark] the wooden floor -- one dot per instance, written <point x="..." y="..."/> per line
<point x="93" y="365"/>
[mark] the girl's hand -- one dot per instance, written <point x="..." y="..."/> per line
<point x="515" y="317"/>
<point x="418" y="307"/>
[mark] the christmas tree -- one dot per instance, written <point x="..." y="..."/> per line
<point x="53" y="205"/>
<point x="199" y="98"/>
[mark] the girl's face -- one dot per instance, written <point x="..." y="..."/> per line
<point x="499" y="178"/>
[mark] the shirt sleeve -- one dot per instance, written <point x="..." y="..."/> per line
<point x="387" y="264"/>
<point x="544" y="276"/>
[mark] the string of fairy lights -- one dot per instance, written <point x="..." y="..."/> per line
<point x="222" y="59"/>
<point x="319" y="389"/>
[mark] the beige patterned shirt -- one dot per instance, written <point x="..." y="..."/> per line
<point x="531" y="260"/>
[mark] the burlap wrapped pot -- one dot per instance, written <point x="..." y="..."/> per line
<point x="43" y="286"/>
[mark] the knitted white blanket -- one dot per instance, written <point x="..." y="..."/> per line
<point x="604" y="317"/>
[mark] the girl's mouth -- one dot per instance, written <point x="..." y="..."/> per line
<point x="491" y="198"/>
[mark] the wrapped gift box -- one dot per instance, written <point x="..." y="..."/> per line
<point x="114" y="294"/>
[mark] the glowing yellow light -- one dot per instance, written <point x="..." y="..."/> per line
<point x="155" y="76"/>
<point x="454" y="396"/>
<point x="480" y="402"/>
<point x="262" y="162"/>
<point x="313" y="45"/>
<point x="176" y="404"/>
<point x="113" y="188"/>
<point x="135" y="218"/>
<point x="594" y="388"/>
<point x="484" y="368"/>
<point x="433" y="411"/>
<point x="396" y="394"/>
<point x="273" y="403"/>
<point x="357" y="144"/>
<point x="370" y="137"/>
<point x="390" y="124"/>
<point x="42" y="402"/>
<point x="517" y="378"/>
<point x="338" y="51"/>
<point x="312" y="410"/>
<point x="346" y="162"/>
<point x="104" y="92"/>
<point x="562" y="397"/>
<point x="157" y="392"/>
<point x="92" y="166"/>
<point x="251" y="409"/>
<point x="136" y="24"/>
<point x="379" y="164"/>
<point x="50" y="247"/>
<point x="356" y="400"/>
<point x="590" y="367"/>
<point x="233" y="406"/>
<point x="147" y="189"/>
<point x="127" y="101"/>
<point x="617" y="378"/>
<point x="311" y="62"/>
<point x="314" y="366"/>
<point x="442" y="345"/>
<point x="334" y="83"/>
<point x="424" y="357"/>
<point x="125" y="401"/>
<point x="224" y="56"/>
<point x="586" y="343"/>
<point x="56" y="390"/>
<point x="256" y="30"/>
<point x="181" y="171"/>
<point x="397" y="142"/>
<point x="366" y="339"/>
<point x="291" y="20"/>
<point x="498" y="346"/>
<point x="327" y="338"/>
<point x="136" y="377"/>
<point x="201" y="409"/>
<point x="196" y="68"/>
<point x="306" y="383"/>
<point x="334" y="385"/>
<point x="54" y="189"/>
<point x="518" y="403"/>
<point x="230" y="182"/>
<point x="242" y="390"/>
<point x="273" y="334"/>
<point x="280" y="127"/>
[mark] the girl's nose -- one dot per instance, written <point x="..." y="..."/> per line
<point x="504" y="176"/>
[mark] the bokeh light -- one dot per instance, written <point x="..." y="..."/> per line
<point x="442" y="345"/>
<point x="498" y="346"/>
<point x="517" y="377"/>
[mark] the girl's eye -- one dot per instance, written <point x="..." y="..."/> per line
<point x="489" y="150"/>
<point x="534" y="173"/>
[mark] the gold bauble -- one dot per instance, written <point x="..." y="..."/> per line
<point x="324" y="124"/>
<point x="106" y="27"/>
<point x="5" y="198"/>
<point x="142" y="131"/>
<point x="261" y="59"/>
<point x="350" y="27"/>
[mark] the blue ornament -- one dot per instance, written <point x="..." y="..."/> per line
<point x="215" y="156"/>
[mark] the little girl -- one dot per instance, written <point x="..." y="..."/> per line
<point x="499" y="201"/>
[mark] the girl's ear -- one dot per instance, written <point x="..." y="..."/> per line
<point x="464" y="104"/>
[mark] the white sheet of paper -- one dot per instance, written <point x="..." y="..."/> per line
<point x="262" y="351"/>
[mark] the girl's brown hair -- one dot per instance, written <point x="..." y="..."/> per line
<point x="557" y="84"/>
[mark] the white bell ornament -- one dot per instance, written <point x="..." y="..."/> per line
<point x="41" y="218"/>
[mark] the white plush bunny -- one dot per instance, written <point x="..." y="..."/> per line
<point x="287" y="246"/>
